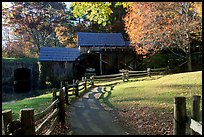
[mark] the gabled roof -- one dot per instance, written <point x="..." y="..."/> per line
<point x="100" y="39"/>
<point x="58" y="54"/>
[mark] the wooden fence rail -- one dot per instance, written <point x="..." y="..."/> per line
<point x="180" y="119"/>
<point x="55" y="112"/>
<point x="46" y="111"/>
<point x="126" y="74"/>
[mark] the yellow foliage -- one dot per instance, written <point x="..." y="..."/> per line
<point x="197" y="6"/>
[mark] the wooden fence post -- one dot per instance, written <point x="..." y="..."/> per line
<point x="149" y="72"/>
<point x="85" y="83"/>
<point x="6" y="119"/>
<point x="92" y="80"/>
<point x="66" y="93"/>
<point x="54" y="94"/>
<point x="195" y="110"/>
<point x="123" y="76"/>
<point x="27" y="121"/>
<point x="179" y="119"/>
<point x="127" y="75"/>
<point x="77" y="88"/>
<point x="61" y="84"/>
<point x="61" y="107"/>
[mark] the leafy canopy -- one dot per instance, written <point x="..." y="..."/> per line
<point x="95" y="11"/>
<point x="153" y="26"/>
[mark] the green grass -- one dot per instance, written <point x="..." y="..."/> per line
<point x="39" y="103"/>
<point x="157" y="91"/>
<point x="20" y="59"/>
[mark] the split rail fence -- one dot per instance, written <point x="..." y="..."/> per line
<point x="34" y="124"/>
<point x="181" y="120"/>
<point x="125" y="75"/>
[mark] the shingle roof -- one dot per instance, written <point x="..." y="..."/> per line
<point x="100" y="39"/>
<point x="127" y="43"/>
<point x="58" y="54"/>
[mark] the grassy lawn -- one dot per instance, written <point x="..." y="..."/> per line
<point x="157" y="91"/>
<point x="39" y="103"/>
<point x="152" y="99"/>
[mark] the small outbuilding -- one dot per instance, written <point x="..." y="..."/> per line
<point x="57" y="64"/>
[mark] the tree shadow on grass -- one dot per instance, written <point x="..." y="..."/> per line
<point x="135" y="79"/>
<point x="106" y="95"/>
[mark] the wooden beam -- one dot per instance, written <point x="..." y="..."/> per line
<point x="101" y="64"/>
<point x="197" y="127"/>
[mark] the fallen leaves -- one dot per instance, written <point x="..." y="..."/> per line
<point x="145" y="120"/>
<point x="59" y="129"/>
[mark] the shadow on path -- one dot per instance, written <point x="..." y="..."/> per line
<point x="88" y="116"/>
<point x="105" y="96"/>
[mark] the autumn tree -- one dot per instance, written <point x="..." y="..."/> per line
<point x="16" y="45"/>
<point x="83" y="17"/>
<point x="36" y="21"/>
<point x="102" y="16"/>
<point x="67" y="32"/>
<point x="153" y="26"/>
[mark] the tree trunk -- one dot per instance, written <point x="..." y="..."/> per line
<point x="189" y="62"/>
<point x="189" y="57"/>
<point x="186" y="7"/>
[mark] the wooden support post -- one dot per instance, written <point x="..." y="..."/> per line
<point x="167" y="70"/>
<point x="179" y="119"/>
<point x="77" y="88"/>
<point x="149" y="72"/>
<point x="195" y="110"/>
<point x="82" y="79"/>
<point x="61" y="107"/>
<point x="27" y="121"/>
<point x="61" y="84"/>
<point x="66" y="93"/>
<point x="3" y="128"/>
<point x="6" y="119"/>
<point x="85" y="83"/>
<point x="101" y="67"/>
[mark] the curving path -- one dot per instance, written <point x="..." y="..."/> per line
<point x="88" y="116"/>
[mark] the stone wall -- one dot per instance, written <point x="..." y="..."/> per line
<point x="8" y="68"/>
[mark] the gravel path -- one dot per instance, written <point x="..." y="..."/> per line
<point x="88" y="116"/>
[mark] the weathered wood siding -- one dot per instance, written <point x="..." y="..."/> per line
<point x="56" y="71"/>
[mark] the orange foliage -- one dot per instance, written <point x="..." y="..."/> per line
<point x="159" y="22"/>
